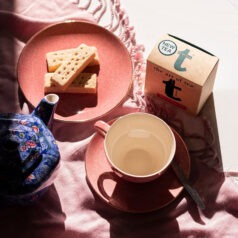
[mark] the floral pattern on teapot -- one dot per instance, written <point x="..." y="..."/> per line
<point x="32" y="153"/>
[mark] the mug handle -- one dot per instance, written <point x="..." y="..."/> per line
<point x="100" y="183"/>
<point x="102" y="127"/>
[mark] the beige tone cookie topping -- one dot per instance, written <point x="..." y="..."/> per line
<point x="65" y="70"/>
<point x="84" y="83"/>
<point x="55" y="59"/>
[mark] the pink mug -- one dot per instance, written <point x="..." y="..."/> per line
<point x="139" y="146"/>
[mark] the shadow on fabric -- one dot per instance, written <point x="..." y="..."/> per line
<point x="29" y="221"/>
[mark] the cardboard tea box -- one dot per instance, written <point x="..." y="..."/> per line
<point x="180" y="73"/>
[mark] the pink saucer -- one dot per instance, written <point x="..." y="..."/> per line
<point x="114" y="73"/>
<point x="128" y="196"/>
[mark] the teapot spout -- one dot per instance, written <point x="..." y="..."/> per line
<point x="46" y="108"/>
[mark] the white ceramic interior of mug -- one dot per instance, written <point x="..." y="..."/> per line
<point x="140" y="145"/>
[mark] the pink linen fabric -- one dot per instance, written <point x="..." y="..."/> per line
<point x="70" y="209"/>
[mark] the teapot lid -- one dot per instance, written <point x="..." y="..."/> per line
<point x="28" y="153"/>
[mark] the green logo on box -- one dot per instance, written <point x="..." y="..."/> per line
<point x="182" y="56"/>
<point x="168" y="47"/>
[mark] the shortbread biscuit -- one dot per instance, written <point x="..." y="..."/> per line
<point x="83" y="83"/>
<point x="68" y="70"/>
<point x="55" y="58"/>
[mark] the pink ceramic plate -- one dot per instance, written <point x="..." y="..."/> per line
<point x="114" y="73"/>
<point x="128" y="196"/>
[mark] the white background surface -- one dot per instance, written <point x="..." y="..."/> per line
<point x="211" y="25"/>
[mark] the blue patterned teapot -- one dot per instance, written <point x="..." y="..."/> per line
<point x="29" y="154"/>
